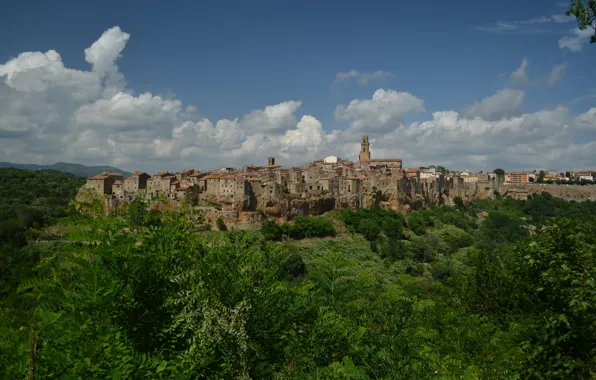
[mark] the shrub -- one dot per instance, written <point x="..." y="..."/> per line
<point x="303" y="227"/>
<point x="221" y="225"/>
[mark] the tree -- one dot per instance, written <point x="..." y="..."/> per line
<point x="500" y="173"/>
<point x="221" y="225"/>
<point x="585" y="13"/>
<point x="459" y="202"/>
<point x="540" y="176"/>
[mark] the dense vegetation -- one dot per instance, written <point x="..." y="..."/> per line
<point x="440" y="293"/>
<point x="301" y="227"/>
<point x="33" y="199"/>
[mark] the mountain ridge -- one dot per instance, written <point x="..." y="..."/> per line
<point x="67" y="167"/>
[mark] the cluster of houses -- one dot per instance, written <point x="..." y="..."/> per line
<point x="526" y="177"/>
<point x="331" y="176"/>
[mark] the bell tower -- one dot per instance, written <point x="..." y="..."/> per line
<point x="364" y="149"/>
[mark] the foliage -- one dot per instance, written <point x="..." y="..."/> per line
<point x="33" y="199"/>
<point x="302" y="227"/>
<point x="585" y="13"/>
<point x="444" y="294"/>
<point x="221" y="225"/>
<point x="458" y="202"/>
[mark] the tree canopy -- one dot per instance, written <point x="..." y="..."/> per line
<point x="585" y="13"/>
<point x="497" y="289"/>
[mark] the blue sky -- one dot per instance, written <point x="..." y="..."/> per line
<point x="230" y="58"/>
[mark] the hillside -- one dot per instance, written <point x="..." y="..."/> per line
<point x="66" y="167"/>
<point x="33" y="199"/>
<point x="435" y="294"/>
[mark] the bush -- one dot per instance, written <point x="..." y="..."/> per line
<point x="221" y="225"/>
<point x="459" y="202"/>
<point x="303" y="227"/>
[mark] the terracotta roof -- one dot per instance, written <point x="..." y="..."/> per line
<point x="294" y="183"/>
<point x="161" y="174"/>
<point x="182" y="188"/>
<point x="175" y="183"/>
<point x="228" y="177"/>
<point x="412" y="170"/>
<point x="112" y="174"/>
<point x="195" y="174"/>
<point x="213" y="176"/>
<point x="168" y="177"/>
<point x="100" y="176"/>
<point x="253" y="179"/>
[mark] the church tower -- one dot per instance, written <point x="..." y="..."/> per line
<point x="364" y="149"/>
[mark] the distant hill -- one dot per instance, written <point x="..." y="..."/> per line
<point x="76" y="169"/>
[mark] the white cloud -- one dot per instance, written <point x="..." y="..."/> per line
<point x="556" y="74"/>
<point x="273" y="119"/>
<point x="51" y="113"/>
<point x="103" y="54"/>
<point x="519" y="77"/>
<point x="384" y="111"/>
<point x="576" y="39"/>
<point x="504" y="103"/>
<point x="529" y="26"/>
<point x="361" y="78"/>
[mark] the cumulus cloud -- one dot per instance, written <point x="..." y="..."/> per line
<point x="384" y="111"/>
<point x="50" y="113"/>
<point x="360" y="77"/>
<point x="519" y="77"/>
<point x="576" y="39"/>
<point x="504" y="103"/>
<point x="272" y="119"/>
<point x="556" y="74"/>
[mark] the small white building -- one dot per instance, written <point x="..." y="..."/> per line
<point x="331" y="160"/>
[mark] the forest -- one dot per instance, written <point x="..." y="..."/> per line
<point x="495" y="289"/>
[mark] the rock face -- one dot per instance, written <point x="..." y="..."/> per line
<point x="402" y="196"/>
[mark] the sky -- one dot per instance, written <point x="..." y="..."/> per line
<point x="172" y="85"/>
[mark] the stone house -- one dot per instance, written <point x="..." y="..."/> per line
<point x="118" y="189"/>
<point x="412" y="173"/>
<point x="295" y="175"/>
<point x="212" y="186"/>
<point x="296" y="187"/>
<point x="273" y="189"/>
<point x="330" y="185"/>
<point x="103" y="183"/>
<point x="350" y="186"/>
<point x="184" y="174"/>
<point x="136" y="182"/>
<point x="312" y="175"/>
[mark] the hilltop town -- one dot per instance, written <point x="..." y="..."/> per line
<point x="323" y="185"/>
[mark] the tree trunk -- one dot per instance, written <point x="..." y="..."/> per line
<point x="31" y="353"/>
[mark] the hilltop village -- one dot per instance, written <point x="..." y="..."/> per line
<point x="313" y="188"/>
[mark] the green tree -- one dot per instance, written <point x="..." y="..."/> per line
<point x="585" y="13"/>
<point x="221" y="225"/>
<point x="459" y="202"/>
